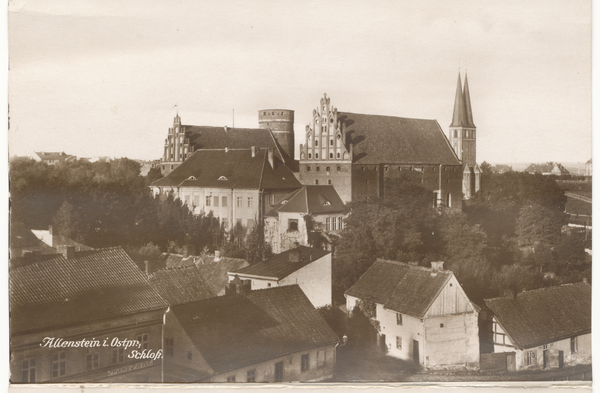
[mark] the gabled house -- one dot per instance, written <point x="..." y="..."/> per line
<point x="65" y="306"/>
<point x="423" y="313"/>
<point x="53" y="158"/>
<point x="311" y="215"/>
<point x="545" y="327"/>
<point x="548" y="168"/>
<point x="236" y="186"/>
<point x="309" y="268"/>
<point x="268" y="335"/>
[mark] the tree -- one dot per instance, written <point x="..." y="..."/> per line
<point x="256" y="247"/>
<point x="68" y="222"/>
<point x="153" y="175"/>
<point x="538" y="224"/>
<point x="486" y="168"/>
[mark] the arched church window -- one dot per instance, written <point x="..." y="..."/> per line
<point x="317" y="155"/>
<point x="331" y="142"/>
<point x="338" y="155"/>
<point x="309" y="155"/>
<point x="316" y="142"/>
<point x="330" y="155"/>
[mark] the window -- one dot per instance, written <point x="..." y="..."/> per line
<point x="318" y="169"/>
<point x="399" y="319"/>
<point x="317" y="182"/>
<point x="28" y="370"/>
<point x="224" y="222"/>
<point x="272" y="199"/>
<point x="573" y="344"/>
<point x="208" y="201"/>
<point x="316" y="142"/>
<point x="330" y="155"/>
<point x="333" y="223"/>
<point x="221" y="178"/>
<point x="309" y="155"/>
<point x="385" y="168"/>
<point x="328" y="181"/>
<point x="327" y="169"/>
<point x="316" y="155"/>
<point x="231" y="378"/>
<point x="216" y="201"/>
<point x="279" y="372"/>
<point x="331" y="142"/>
<point x="328" y="224"/>
<point x="196" y="200"/>
<point x="292" y="224"/>
<point x="143" y="339"/>
<point x="307" y="168"/>
<point x="531" y="358"/>
<point x="338" y="168"/>
<point x="224" y="201"/>
<point x="441" y="325"/>
<point x="251" y="375"/>
<point x="305" y="365"/>
<point x="338" y="155"/>
<point x="91" y="359"/>
<point x="238" y="202"/>
<point x="398" y="342"/>
<point x="59" y="364"/>
<point x="186" y="199"/>
<point x="117" y="355"/>
<point x="320" y="358"/>
<point x="340" y="223"/>
<point x="249" y="201"/>
<point x="169" y="347"/>
<point x="545" y="346"/>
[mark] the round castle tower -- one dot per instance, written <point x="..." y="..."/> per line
<point x="281" y="123"/>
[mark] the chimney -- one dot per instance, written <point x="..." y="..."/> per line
<point x="67" y="251"/>
<point x="217" y="256"/>
<point x="270" y="157"/>
<point x="294" y="255"/>
<point x="52" y="237"/>
<point x="509" y="293"/>
<point x="437" y="266"/>
<point x="146" y="269"/>
<point x="253" y="149"/>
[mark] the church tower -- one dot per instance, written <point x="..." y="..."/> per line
<point x="463" y="138"/>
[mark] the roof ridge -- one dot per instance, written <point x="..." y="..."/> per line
<point x="396" y="117"/>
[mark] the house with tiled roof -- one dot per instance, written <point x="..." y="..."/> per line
<point x="361" y="154"/>
<point x="64" y="307"/>
<point x="180" y="285"/>
<point x="268" y="335"/>
<point x="545" y="327"/>
<point x="310" y="268"/>
<point x="423" y="314"/>
<point x="548" y="168"/>
<point x="235" y="186"/>
<point x="310" y="215"/>
<point x="211" y="268"/>
<point x="53" y="158"/>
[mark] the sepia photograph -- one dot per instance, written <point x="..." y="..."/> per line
<point x="321" y="194"/>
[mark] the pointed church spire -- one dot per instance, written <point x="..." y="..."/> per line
<point x="459" y="118"/>
<point x="467" y="98"/>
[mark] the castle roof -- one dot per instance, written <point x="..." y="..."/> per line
<point x="396" y="140"/>
<point x="400" y="287"/>
<point x="310" y="199"/>
<point x="234" y="331"/>
<point x="282" y="265"/>
<point x="545" y="315"/>
<point x="90" y="286"/>
<point x="209" y="137"/>
<point x="231" y="169"/>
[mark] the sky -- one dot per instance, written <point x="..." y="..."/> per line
<point x="105" y="78"/>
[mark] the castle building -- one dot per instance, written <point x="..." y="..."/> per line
<point x="463" y="139"/>
<point x="362" y="155"/>
<point x="276" y="132"/>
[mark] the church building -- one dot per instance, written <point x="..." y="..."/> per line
<point x="363" y="155"/>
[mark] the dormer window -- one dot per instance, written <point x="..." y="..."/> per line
<point x="326" y="203"/>
<point x="222" y="178"/>
<point x="191" y="178"/>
